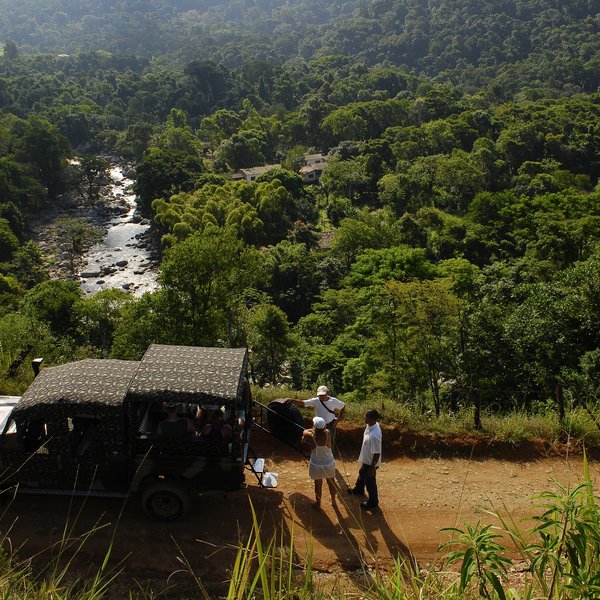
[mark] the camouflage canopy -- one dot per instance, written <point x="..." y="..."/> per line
<point x="190" y="374"/>
<point x="90" y="381"/>
<point x="167" y="373"/>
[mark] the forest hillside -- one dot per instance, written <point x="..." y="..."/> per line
<point x="444" y="255"/>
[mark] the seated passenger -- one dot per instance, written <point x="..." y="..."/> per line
<point x="205" y="414"/>
<point x="215" y="429"/>
<point x="191" y="411"/>
<point x="235" y="417"/>
<point x="174" y="425"/>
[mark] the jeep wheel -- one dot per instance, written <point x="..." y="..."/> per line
<point x="166" y="500"/>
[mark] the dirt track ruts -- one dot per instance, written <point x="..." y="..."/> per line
<point x="418" y="497"/>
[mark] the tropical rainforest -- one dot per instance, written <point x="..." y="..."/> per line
<point x="449" y="255"/>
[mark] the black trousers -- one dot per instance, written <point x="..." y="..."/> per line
<point x="365" y="480"/>
<point x="332" y="427"/>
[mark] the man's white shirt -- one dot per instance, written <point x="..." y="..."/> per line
<point x="320" y="411"/>
<point x="371" y="445"/>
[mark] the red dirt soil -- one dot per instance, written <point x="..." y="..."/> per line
<point x="425" y="484"/>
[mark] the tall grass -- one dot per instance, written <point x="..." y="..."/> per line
<point x="559" y="554"/>
<point x="580" y="427"/>
<point x="266" y="569"/>
<point x="20" y="580"/>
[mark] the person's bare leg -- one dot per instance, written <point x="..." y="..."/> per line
<point x="331" y="485"/>
<point x="318" y="492"/>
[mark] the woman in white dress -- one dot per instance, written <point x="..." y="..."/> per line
<point x="317" y="440"/>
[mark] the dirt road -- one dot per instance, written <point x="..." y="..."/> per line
<point x="418" y="497"/>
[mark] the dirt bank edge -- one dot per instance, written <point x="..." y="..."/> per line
<point x="400" y="442"/>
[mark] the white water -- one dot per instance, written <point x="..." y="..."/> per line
<point x="120" y="244"/>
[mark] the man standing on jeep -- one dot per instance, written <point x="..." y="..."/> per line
<point x="327" y="407"/>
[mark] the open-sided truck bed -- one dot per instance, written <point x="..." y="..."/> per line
<point x="90" y="427"/>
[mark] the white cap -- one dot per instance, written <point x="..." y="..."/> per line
<point x="319" y="422"/>
<point x="322" y="390"/>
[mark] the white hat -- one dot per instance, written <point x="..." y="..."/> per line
<point x="319" y="422"/>
<point x="322" y="390"/>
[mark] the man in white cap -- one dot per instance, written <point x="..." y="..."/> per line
<point x="330" y="409"/>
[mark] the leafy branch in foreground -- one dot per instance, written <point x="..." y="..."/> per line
<point x="561" y="551"/>
<point x="567" y="544"/>
<point x="481" y="557"/>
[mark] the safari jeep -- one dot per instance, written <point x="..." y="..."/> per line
<point x="89" y="428"/>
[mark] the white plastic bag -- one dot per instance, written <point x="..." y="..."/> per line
<point x="269" y="479"/>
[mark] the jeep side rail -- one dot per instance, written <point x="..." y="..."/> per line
<point x="260" y="414"/>
<point x="260" y="419"/>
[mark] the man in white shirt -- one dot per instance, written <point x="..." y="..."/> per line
<point x="370" y="459"/>
<point x="325" y="407"/>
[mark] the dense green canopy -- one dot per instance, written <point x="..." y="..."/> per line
<point x="450" y="245"/>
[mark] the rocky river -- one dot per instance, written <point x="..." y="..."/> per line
<point x="125" y="256"/>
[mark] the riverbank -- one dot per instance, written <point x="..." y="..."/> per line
<point x="118" y="249"/>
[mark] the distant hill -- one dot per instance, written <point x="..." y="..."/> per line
<point x="548" y="43"/>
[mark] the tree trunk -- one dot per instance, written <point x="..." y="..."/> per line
<point x="477" y="405"/>
<point x="560" y="401"/>
<point x="435" y="389"/>
<point x="12" y="369"/>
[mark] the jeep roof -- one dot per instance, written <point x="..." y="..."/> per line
<point x="190" y="374"/>
<point x="89" y="381"/>
<point x="176" y="373"/>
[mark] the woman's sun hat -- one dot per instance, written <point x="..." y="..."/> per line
<point x="319" y="422"/>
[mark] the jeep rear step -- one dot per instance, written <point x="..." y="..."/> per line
<point x="254" y="464"/>
<point x="263" y="418"/>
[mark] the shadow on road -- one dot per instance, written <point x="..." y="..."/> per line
<point x="332" y="534"/>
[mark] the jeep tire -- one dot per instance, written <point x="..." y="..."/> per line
<point x="166" y="500"/>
